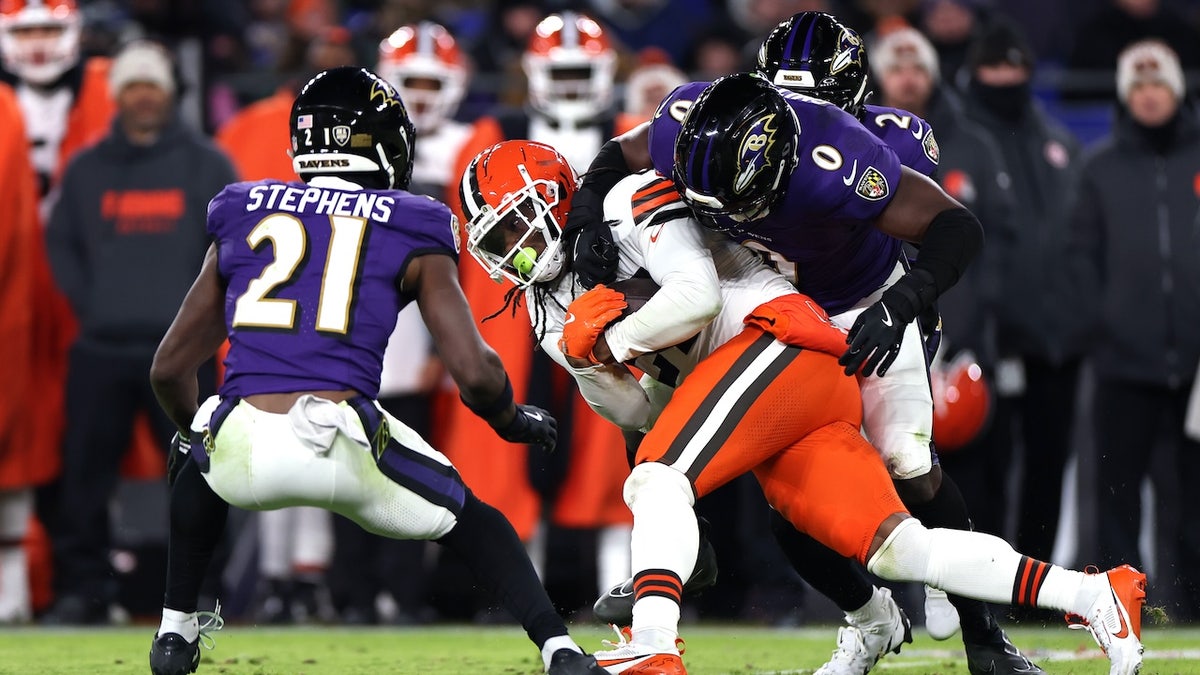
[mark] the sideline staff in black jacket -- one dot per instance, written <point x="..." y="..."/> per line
<point x="125" y="239"/>
<point x="1135" y="228"/>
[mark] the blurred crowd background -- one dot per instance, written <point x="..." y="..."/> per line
<point x="1035" y="474"/>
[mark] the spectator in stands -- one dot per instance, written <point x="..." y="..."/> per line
<point x="1039" y="339"/>
<point x="971" y="169"/>
<point x="1101" y="37"/>
<point x="1134" y="223"/>
<point x="648" y="84"/>
<point x="951" y="26"/>
<point x="497" y="56"/>
<point x="125" y="238"/>
<point x="669" y="25"/>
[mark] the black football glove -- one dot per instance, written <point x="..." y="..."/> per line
<point x="595" y="252"/>
<point x="533" y="426"/>
<point x="874" y="339"/>
<point x="177" y="456"/>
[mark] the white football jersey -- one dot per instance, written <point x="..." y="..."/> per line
<point x="708" y="284"/>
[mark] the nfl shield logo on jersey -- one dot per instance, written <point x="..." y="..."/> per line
<point x="932" y="151"/>
<point x="872" y="185"/>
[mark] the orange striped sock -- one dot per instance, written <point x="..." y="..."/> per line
<point x="1031" y="574"/>
<point x="657" y="582"/>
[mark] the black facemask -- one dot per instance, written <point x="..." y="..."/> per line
<point x="1007" y="102"/>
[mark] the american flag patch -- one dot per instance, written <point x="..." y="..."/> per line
<point x="304" y="122"/>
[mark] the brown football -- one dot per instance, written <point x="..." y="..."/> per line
<point x="637" y="291"/>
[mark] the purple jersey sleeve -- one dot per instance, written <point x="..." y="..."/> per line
<point x="844" y="178"/>
<point x="311" y="278"/>
<point x="844" y="173"/>
<point x="667" y="121"/>
<point x="910" y="136"/>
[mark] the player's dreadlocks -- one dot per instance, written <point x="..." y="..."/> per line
<point x="541" y="295"/>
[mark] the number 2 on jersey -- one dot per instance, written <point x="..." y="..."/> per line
<point x="256" y="308"/>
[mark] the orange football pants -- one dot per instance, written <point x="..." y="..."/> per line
<point x="792" y="417"/>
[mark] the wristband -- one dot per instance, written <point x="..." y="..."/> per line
<point x="496" y="406"/>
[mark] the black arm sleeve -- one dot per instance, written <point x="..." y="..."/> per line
<point x="605" y="171"/>
<point x="951" y="242"/>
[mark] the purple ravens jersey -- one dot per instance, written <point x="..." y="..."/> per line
<point x="910" y="136"/>
<point x="312" y="274"/>
<point x="821" y="234"/>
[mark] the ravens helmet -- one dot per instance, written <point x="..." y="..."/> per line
<point x="736" y="150"/>
<point x="815" y="54"/>
<point x="349" y="120"/>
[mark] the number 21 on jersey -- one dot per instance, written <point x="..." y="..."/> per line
<point x="258" y="308"/>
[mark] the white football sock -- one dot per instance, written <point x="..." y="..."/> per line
<point x="556" y="643"/>
<point x="183" y="623"/>
<point x="970" y="564"/>
<point x="874" y="611"/>
<point x="665" y="537"/>
<point x="980" y="566"/>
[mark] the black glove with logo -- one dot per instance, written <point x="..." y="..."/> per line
<point x="874" y="339"/>
<point x="586" y="232"/>
<point x="533" y="426"/>
<point x="177" y="456"/>
<point x="594" y="257"/>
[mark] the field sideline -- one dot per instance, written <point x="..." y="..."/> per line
<point x="450" y="650"/>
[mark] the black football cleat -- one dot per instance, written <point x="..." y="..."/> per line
<point x="616" y="606"/>
<point x="998" y="656"/>
<point x="170" y="654"/>
<point x="571" y="662"/>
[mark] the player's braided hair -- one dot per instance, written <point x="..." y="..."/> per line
<point x="541" y="295"/>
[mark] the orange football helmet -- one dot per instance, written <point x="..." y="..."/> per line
<point x="515" y="196"/>
<point x="570" y="64"/>
<point x="39" y="39"/>
<point x="961" y="401"/>
<point x="424" y="63"/>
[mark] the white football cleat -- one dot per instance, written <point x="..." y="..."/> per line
<point x="941" y="619"/>
<point x="1115" y="619"/>
<point x="636" y="659"/>
<point x="864" y="642"/>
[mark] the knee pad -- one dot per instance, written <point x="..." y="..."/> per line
<point x="659" y="479"/>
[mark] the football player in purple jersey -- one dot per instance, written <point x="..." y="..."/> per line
<point x="820" y="211"/>
<point x="814" y="54"/>
<point x="306" y="279"/>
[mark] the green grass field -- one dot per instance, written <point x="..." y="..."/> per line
<point x="711" y="650"/>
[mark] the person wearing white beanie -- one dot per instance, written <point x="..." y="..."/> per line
<point x="905" y="64"/>
<point x="142" y="61"/>
<point x="143" y="85"/>
<point x="1150" y="82"/>
<point x="1134" y="239"/>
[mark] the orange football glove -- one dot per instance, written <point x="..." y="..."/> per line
<point x="796" y="319"/>
<point x="587" y="317"/>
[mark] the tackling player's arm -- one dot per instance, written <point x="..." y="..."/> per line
<point x="589" y="235"/>
<point x="194" y="337"/>
<point x="482" y="381"/>
<point x="475" y="366"/>
<point x="950" y="237"/>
